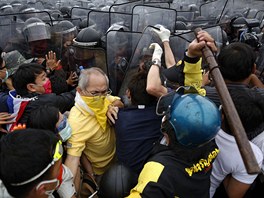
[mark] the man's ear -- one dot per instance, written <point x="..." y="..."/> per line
<point x="31" y="87"/>
<point x="79" y="90"/>
<point x="41" y="190"/>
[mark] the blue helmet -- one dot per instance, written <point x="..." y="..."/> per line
<point x="195" y="119"/>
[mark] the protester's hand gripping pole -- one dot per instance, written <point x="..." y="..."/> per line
<point x="230" y="112"/>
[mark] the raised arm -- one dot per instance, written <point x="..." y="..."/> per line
<point x="164" y="35"/>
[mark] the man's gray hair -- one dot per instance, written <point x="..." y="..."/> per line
<point x="85" y="74"/>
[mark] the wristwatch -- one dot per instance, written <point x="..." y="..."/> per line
<point x="156" y="62"/>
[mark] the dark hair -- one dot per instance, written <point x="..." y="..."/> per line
<point x="23" y="155"/>
<point x="236" y="61"/>
<point x="250" y="108"/>
<point x="45" y="117"/>
<point x="26" y="73"/>
<point x="137" y="86"/>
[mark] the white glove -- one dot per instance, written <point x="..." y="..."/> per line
<point x="157" y="51"/>
<point x="163" y="33"/>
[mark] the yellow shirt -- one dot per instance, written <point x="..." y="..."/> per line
<point x="89" y="137"/>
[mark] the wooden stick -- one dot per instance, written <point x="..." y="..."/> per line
<point x="231" y="112"/>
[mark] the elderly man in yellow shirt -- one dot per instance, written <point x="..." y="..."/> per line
<point x="92" y="135"/>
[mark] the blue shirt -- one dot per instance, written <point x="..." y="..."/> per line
<point x="136" y="131"/>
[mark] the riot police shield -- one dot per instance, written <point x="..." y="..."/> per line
<point x="212" y="10"/>
<point x="101" y="19"/>
<point x="121" y="18"/>
<point x="119" y="48"/>
<point x="19" y="34"/>
<point x="89" y="57"/>
<point x="124" y="7"/>
<point x="179" y="42"/>
<point x="150" y="15"/>
<point x="87" y="51"/>
<point x="79" y="14"/>
<point x="62" y="35"/>
<point x="141" y="56"/>
<point x="188" y="15"/>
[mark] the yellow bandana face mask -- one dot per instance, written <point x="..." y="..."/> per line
<point x="99" y="105"/>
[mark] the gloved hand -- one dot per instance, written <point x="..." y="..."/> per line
<point x="157" y="51"/>
<point x="163" y="33"/>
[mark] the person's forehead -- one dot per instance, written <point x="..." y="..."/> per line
<point x="97" y="79"/>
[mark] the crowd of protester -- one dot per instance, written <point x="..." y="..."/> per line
<point x="128" y="110"/>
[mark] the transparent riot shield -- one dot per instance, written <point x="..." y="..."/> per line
<point x="188" y="15"/>
<point x="141" y="56"/>
<point x="79" y="14"/>
<point x="144" y="16"/>
<point x="180" y="41"/>
<point x="124" y="7"/>
<point x="119" y="48"/>
<point x="212" y="10"/>
<point x="184" y="5"/>
<point x="101" y="19"/>
<point x="18" y="33"/>
<point x="62" y="35"/>
<point x="121" y="18"/>
<point x="157" y="3"/>
<point x="259" y="15"/>
<point x="87" y="57"/>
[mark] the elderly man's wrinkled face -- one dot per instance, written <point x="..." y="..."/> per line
<point x="97" y="86"/>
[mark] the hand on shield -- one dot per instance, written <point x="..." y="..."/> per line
<point x="163" y="33"/>
<point x="157" y="51"/>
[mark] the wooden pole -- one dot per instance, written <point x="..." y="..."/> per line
<point x="230" y="112"/>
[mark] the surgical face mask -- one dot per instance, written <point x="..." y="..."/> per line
<point x="64" y="129"/>
<point x="47" y="87"/>
<point x="6" y="77"/>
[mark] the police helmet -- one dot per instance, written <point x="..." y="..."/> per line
<point x="65" y="27"/>
<point x="87" y="37"/>
<point x="86" y="40"/>
<point x="194" y="118"/>
<point x="66" y="11"/>
<point x="117" y="182"/>
<point x="180" y="25"/>
<point x="35" y="29"/>
<point x="85" y="23"/>
<point x="238" y="22"/>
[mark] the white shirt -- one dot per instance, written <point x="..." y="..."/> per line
<point x="229" y="161"/>
<point x="67" y="188"/>
<point x="259" y="141"/>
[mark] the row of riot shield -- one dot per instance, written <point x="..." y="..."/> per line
<point x="135" y="45"/>
<point x="137" y="15"/>
<point x="125" y="51"/>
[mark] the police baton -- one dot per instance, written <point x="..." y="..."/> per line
<point x="230" y="112"/>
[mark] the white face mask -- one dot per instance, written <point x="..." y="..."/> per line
<point x="64" y="129"/>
